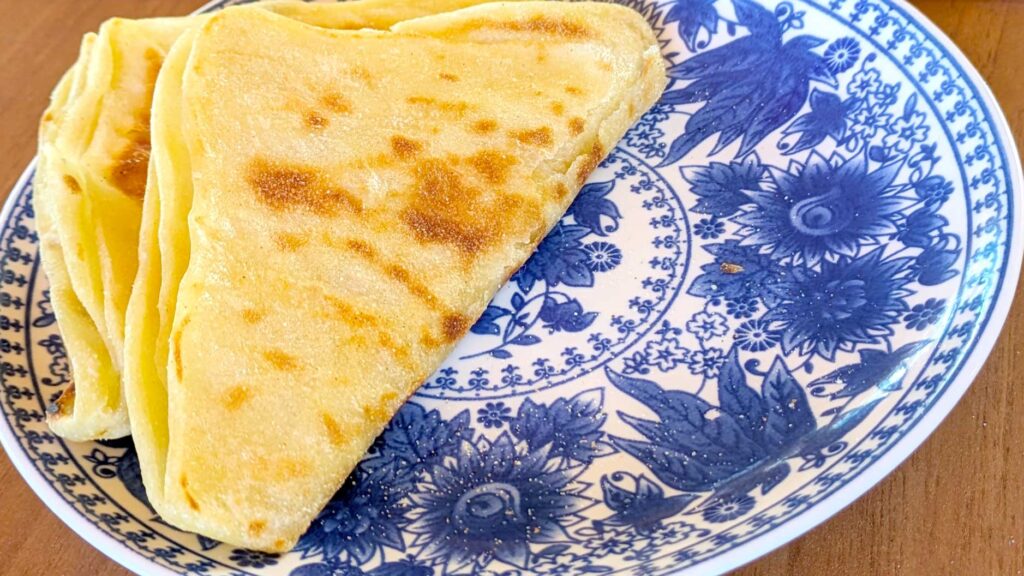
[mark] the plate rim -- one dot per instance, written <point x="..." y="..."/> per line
<point x="797" y="526"/>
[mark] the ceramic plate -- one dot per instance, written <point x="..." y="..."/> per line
<point x="768" y="295"/>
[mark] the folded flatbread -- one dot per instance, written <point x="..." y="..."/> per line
<point x="328" y="212"/>
<point x="91" y="179"/>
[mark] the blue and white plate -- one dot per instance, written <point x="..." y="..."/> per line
<point x="767" y="296"/>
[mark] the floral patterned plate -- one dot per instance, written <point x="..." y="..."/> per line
<point x="767" y="296"/>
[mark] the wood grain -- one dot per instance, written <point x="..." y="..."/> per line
<point x="955" y="507"/>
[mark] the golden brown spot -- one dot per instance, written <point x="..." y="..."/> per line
<point x="176" y="343"/>
<point x="485" y="126"/>
<point x="606" y="66"/>
<point x="439" y="213"/>
<point x="397" y="350"/>
<point x="730" y="268"/>
<point x="336" y="103"/>
<point x="282" y="468"/>
<point x="458" y="109"/>
<point x="235" y="397"/>
<point x="428" y="341"/>
<point x="405" y="148"/>
<point x="188" y="496"/>
<point x="380" y="412"/>
<point x="395" y="271"/>
<point x="286" y="188"/>
<point x="536" y="137"/>
<point x="448" y="77"/>
<point x="576" y="126"/>
<point x="590" y="162"/>
<point x="361" y="248"/>
<point x="349" y="315"/>
<point x="574" y="90"/>
<point x="48" y="117"/>
<point x="256" y="528"/>
<point x="545" y="25"/>
<point x="131" y="166"/>
<point x="454" y="326"/>
<point x="362" y="73"/>
<point x="316" y="121"/>
<point x="444" y="209"/>
<point x="334" y="433"/>
<point x="279" y="545"/>
<point x="252" y="315"/>
<point x="65" y="403"/>
<point x="494" y="166"/>
<point x="414" y="286"/>
<point x="289" y="242"/>
<point x="72" y="184"/>
<point x="281" y="360"/>
<point x="561" y="190"/>
<point x="558" y="108"/>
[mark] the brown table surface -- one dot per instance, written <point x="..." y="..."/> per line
<point x="955" y="507"/>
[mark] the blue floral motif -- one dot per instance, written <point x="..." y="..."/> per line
<point x="559" y="259"/>
<point x="740" y="272"/>
<point x="742" y="443"/>
<point x="334" y="568"/>
<point x="695" y="18"/>
<point x="729" y="508"/>
<point x="494" y="414"/>
<point x="602" y="256"/>
<point x="721" y="187"/>
<point x="495" y="498"/>
<point x="665" y="354"/>
<point x="565" y="316"/>
<point x="934" y="190"/>
<point x="877" y="369"/>
<point x="846" y="302"/>
<point x="865" y="82"/>
<point x="827" y="118"/>
<point x="253" y="558"/>
<point x="562" y="260"/>
<point x="417" y="438"/>
<point x="906" y="131"/>
<point x="594" y="211"/>
<point x="643" y="505"/>
<point x="842" y="54"/>
<point x="742" y="308"/>
<point x="921" y="316"/>
<point x="706" y="362"/>
<point x="364" y="516"/>
<point x="705" y="325"/>
<point x="920" y="225"/>
<point x="823" y="208"/>
<point x="750" y="86"/>
<point x="869" y="119"/>
<point x="568" y="428"/>
<point x="756" y="336"/>
<point x="709" y="228"/>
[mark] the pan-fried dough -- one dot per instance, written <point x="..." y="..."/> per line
<point x="329" y="212"/>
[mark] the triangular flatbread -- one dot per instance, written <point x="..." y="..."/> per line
<point x="97" y="139"/>
<point x="339" y="207"/>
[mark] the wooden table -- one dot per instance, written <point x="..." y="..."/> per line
<point x="955" y="507"/>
